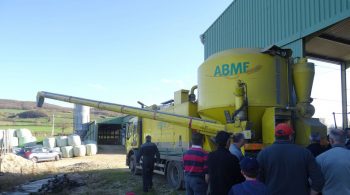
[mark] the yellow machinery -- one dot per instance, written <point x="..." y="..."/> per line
<point x="239" y="90"/>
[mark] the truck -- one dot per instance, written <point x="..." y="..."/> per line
<point x="244" y="90"/>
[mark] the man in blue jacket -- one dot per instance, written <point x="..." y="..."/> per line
<point x="286" y="168"/>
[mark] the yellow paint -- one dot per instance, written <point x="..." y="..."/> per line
<point x="266" y="82"/>
<point x="306" y="126"/>
<point x="303" y="76"/>
<point x="266" y="79"/>
<point x="268" y="126"/>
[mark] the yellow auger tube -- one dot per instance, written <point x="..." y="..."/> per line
<point x="203" y="126"/>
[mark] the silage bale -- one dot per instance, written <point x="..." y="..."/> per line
<point x="67" y="151"/>
<point x="74" y="140"/>
<point x="90" y="142"/>
<point x="14" y="141"/>
<point x="2" y="133"/>
<point x="27" y="141"/>
<point x="91" y="149"/>
<point x="79" y="151"/>
<point x="56" y="149"/>
<point x="23" y="133"/>
<point x="49" y="142"/>
<point x="11" y="132"/>
<point x="61" y="141"/>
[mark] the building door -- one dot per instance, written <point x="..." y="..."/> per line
<point x="109" y="134"/>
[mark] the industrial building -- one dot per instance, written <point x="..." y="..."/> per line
<point x="110" y="131"/>
<point x="318" y="29"/>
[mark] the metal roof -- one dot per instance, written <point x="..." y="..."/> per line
<point x="286" y="23"/>
<point x="331" y="44"/>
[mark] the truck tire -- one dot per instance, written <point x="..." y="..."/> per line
<point x="175" y="175"/>
<point x="132" y="166"/>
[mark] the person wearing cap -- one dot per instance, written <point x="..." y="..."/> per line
<point x="223" y="167"/>
<point x="335" y="164"/>
<point x="250" y="170"/>
<point x="286" y="168"/>
<point x="315" y="147"/>
<point x="235" y="147"/>
<point x="149" y="153"/>
<point x="195" y="167"/>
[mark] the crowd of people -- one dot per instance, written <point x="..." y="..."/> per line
<point x="280" y="169"/>
<point x="283" y="168"/>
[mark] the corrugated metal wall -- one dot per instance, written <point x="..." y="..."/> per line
<point x="259" y="23"/>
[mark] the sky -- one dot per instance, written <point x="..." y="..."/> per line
<point x="109" y="50"/>
<point x="117" y="51"/>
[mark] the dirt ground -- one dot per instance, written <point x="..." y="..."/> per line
<point x="104" y="173"/>
<point x="108" y="157"/>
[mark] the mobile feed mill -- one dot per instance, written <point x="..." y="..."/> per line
<point x="239" y="90"/>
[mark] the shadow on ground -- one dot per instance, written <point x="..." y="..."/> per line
<point x="111" y="149"/>
<point x="106" y="181"/>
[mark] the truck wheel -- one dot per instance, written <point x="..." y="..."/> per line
<point x="175" y="175"/>
<point x="132" y="166"/>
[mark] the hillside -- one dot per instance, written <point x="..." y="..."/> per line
<point x="29" y="105"/>
<point x="19" y="114"/>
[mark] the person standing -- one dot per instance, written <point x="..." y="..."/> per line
<point x="235" y="147"/>
<point x="149" y="153"/>
<point x="195" y="167"/>
<point x="250" y="170"/>
<point x="335" y="165"/>
<point x="315" y="146"/>
<point x="347" y="142"/>
<point x="224" y="169"/>
<point x="286" y="168"/>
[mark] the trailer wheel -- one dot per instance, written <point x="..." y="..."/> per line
<point x="132" y="166"/>
<point x="175" y="175"/>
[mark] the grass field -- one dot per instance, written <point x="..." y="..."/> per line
<point x="40" y="127"/>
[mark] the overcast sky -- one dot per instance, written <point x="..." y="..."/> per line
<point x="117" y="51"/>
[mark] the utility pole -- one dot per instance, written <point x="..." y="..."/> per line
<point x="53" y="125"/>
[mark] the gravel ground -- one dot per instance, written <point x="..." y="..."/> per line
<point x="104" y="173"/>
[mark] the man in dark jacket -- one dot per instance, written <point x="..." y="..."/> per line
<point x="347" y="142"/>
<point x="148" y="151"/>
<point x="223" y="167"/>
<point x="315" y="147"/>
<point x="286" y="168"/>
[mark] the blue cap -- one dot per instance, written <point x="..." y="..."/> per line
<point x="249" y="165"/>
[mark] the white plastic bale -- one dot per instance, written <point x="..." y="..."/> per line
<point x="67" y="151"/>
<point x="14" y="141"/>
<point x="61" y="141"/>
<point x="74" y="140"/>
<point x="91" y="149"/>
<point x="12" y="132"/>
<point x="90" y="142"/>
<point x="56" y="149"/>
<point x="2" y="133"/>
<point x="49" y="142"/>
<point x="27" y="141"/>
<point x="23" y="133"/>
<point x="79" y="151"/>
